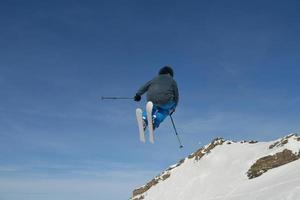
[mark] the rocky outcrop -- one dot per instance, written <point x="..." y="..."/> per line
<point x="284" y="141"/>
<point x="266" y="163"/>
<point x="204" y="150"/>
<point x="139" y="198"/>
<point x="150" y="184"/>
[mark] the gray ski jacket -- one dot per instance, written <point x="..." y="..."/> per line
<point x="160" y="90"/>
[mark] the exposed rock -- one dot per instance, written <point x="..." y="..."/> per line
<point x="139" y="198"/>
<point x="164" y="177"/>
<point x="274" y="145"/>
<point x="150" y="184"/>
<point x="155" y="181"/>
<point x="145" y="188"/>
<point x="198" y="154"/>
<point x="179" y="163"/>
<point x="252" y="142"/>
<point x="269" y="162"/>
<point x="284" y="141"/>
<point x="204" y="150"/>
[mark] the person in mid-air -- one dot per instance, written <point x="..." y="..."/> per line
<point x="162" y="91"/>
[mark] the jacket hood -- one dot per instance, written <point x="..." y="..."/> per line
<point x="166" y="70"/>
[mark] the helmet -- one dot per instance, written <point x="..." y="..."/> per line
<point x="166" y="70"/>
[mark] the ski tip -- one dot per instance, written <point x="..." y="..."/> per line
<point x="138" y="110"/>
<point x="149" y="103"/>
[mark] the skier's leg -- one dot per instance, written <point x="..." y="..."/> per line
<point x="162" y="112"/>
<point x="154" y="110"/>
<point x="145" y="117"/>
<point x="159" y="117"/>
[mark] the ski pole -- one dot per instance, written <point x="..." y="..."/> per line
<point x="115" y="98"/>
<point x="176" y="133"/>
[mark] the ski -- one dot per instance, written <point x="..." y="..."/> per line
<point x="139" y="118"/>
<point x="149" y="108"/>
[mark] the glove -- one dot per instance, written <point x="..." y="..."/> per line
<point x="137" y="97"/>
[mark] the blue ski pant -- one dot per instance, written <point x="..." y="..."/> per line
<point x="159" y="113"/>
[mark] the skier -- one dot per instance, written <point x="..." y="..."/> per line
<point x="162" y="91"/>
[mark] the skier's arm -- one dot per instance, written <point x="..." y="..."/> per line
<point x="143" y="89"/>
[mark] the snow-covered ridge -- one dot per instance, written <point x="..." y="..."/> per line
<point x="290" y="141"/>
<point x="223" y="161"/>
<point x="285" y="150"/>
<point x="167" y="173"/>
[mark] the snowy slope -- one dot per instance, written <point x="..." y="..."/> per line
<point x="219" y="171"/>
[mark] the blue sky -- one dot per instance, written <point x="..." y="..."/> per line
<point x="236" y="64"/>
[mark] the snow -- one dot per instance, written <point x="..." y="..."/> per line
<point x="292" y="144"/>
<point x="221" y="174"/>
